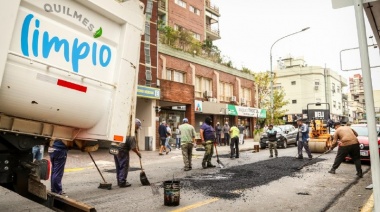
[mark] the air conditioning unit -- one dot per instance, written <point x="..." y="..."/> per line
<point x="207" y="94"/>
<point x="316" y="87"/>
<point x="233" y="99"/>
<point x="243" y="101"/>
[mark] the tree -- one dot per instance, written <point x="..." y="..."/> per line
<point x="262" y="80"/>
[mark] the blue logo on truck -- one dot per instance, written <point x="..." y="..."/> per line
<point x="73" y="52"/>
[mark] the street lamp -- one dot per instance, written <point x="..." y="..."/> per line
<point x="271" y="71"/>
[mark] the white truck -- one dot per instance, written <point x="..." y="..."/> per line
<point x="68" y="70"/>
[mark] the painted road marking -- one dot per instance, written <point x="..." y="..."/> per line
<point x="76" y="169"/>
<point x="368" y="207"/>
<point x="196" y="205"/>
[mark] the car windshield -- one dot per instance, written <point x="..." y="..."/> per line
<point x="278" y="129"/>
<point x="362" y="131"/>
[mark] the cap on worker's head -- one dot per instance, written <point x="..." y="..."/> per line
<point x="217" y="122"/>
<point x="163" y="122"/>
<point x="300" y="120"/>
<point x="185" y="120"/>
<point x="271" y="125"/>
<point x="138" y="123"/>
<point x="336" y="124"/>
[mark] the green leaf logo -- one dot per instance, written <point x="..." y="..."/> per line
<point x="98" y="33"/>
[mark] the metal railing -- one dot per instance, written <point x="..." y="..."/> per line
<point x="162" y="4"/>
<point x="210" y="29"/>
<point x="212" y="7"/>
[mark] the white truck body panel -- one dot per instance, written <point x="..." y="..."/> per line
<point x="55" y="75"/>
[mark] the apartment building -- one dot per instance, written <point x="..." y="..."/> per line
<point x="192" y="83"/>
<point x="306" y="85"/>
<point x="147" y="91"/>
<point x="356" y="102"/>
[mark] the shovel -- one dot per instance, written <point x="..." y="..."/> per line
<point x="217" y="157"/>
<point x="144" y="180"/>
<point x="104" y="185"/>
<point x="303" y="165"/>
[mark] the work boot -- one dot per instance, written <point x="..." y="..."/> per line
<point x="124" y="185"/>
<point x="360" y="174"/>
<point x="271" y="156"/>
<point x="299" y="157"/>
<point x="187" y="169"/>
<point x="332" y="171"/>
<point x="209" y="165"/>
<point x="204" y="165"/>
<point x="310" y="157"/>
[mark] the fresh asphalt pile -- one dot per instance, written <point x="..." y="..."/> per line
<point x="230" y="182"/>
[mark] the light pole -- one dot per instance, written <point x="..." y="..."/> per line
<point x="271" y="71"/>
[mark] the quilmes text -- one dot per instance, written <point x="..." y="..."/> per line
<point x="73" y="51"/>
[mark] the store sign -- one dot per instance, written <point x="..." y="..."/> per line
<point x="246" y="111"/>
<point x="198" y="106"/>
<point x="148" y="92"/>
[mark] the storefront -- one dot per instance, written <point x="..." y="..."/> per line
<point x="247" y="116"/>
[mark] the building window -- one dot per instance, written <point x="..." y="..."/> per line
<point x="196" y="36"/>
<point x="180" y="3"/>
<point x="202" y="85"/>
<point x="316" y="82"/>
<point x="339" y="106"/>
<point x="178" y="27"/>
<point x="294" y="101"/>
<point x="337" y="89"/>
<point x="194" y="10"/>
<point x="334" y="104"/>
<point x="333" y="87"/>
<point x="246" y="95"/>
<point x="175" y="76"/>
<point x="293" y="82"/>
<point x="226" y="91"/>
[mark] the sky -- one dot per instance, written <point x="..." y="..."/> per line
<point x="249" y="27"/>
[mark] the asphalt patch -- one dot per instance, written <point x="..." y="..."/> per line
<point x="229" y="183"/>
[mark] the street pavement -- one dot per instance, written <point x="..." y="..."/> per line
<point x="310" y="189"/>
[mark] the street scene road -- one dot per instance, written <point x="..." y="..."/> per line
<point x="253" y="182"/>
<point x="102" y="102"/>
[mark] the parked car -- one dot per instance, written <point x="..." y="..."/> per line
<point x="362" y="131"/>
<point x="282" y="138"/>
<point x="290" y="133"/>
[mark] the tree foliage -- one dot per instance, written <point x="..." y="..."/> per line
<point x="262" y="81"/>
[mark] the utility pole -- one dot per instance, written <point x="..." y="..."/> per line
<point x="369" y="103"/>
<point x="271" y="71"/>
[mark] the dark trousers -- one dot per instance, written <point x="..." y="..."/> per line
<point x="58" y="161"/>
<point x="303" y="145"/>
<point x="226" y="138"/>
<point x="122" y="166"/>
<point x="353" y="151"/>
<point x="234" y="146"/>
<point x="218" y="138"/>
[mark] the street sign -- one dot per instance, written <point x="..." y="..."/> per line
<point x="336" y="4"/>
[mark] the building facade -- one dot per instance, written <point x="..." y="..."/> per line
<point x="147" y="91"/>
<point x="306" y="85"/>
<point x="356" y="102"/>
<point x="192" y="84"/>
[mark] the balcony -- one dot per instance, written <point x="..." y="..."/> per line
<point x="162" y="6"/>
<point x="212" y="33"/>
<point x="212" y="8"/>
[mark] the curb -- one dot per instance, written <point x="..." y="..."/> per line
<point x="369" y="205"/>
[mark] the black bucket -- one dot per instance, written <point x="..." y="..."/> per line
<point x="171" y="193"/>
